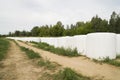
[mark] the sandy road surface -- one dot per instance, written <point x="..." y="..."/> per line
<point x="17" y="66"/>
<point x="81" y="65"/>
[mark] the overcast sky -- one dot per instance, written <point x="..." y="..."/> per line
<point x="25" y="14"/>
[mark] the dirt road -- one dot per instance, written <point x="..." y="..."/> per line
<point x="17" y="66"/>
<point x="81" y="65"/>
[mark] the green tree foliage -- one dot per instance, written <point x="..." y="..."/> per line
<point x="57" y="30"/>
<point x="84" y="29"/>
<point x="35" y="31"/>
<point x="96" y="24"/>
<point x="99" y="25"/>
<point x="44" y="31"/>
<point x="114" y="23"/>
<point x="118" y="25"/>
<point x="17" y="33"/>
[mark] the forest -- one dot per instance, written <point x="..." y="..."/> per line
<point x="96" y="24"/>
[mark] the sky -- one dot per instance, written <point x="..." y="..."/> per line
<point x="25" y="14"/>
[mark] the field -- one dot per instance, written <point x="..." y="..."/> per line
<point x="24" y="61"/>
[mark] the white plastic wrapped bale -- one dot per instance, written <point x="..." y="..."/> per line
<point x="44" y="39"/>
<point x="101" y="45"/>
<point x="23" y="38"/>
<point x="47" y="40"/>
<point x="15" y="38"/>
<point x="61" y="41"/>
<point x="80" y="44"/>
<point x="69" y="42"/>
<point x="56" y="42"/>
<point x="51" y="41"/>
<point x="35" y="39"/>
<point x="10" y="37"/>
<point x="118" y="44"/>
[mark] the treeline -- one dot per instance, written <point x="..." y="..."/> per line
<point x="3" y="36"/>
<point x="95" y="25"/>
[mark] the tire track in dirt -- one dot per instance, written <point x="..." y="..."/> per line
<point x="17" y="66"/>
<point x="81" y="65"/>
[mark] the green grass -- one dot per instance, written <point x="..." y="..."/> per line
<point x="112" y="62"/>
<point x="60" y="51"/>
<point x="30" y="53"/>
<point x="118" y="57"/>
<point x="108" y="61"/>
<point x="69" y="74"/>
<point x="47" y="64"/>
<point x="65" y="74"/>
<point x="4" y="45"/>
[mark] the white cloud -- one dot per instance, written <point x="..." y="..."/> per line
<point x="24" y="14"/>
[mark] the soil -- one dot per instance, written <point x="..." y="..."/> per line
<point x="17" y="66"/>
<point x="80" y="64"/>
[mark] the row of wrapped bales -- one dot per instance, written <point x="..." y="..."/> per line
<point x="77" y="42"/>
<point x="56" y="42"/>
<point x="61" y="41"/>
<point x="93" y="45"/>
<point x="101" y="45"/>
<point x="48" y="40"/>
<point x="118" y="44"/>
<point x="35" y="39"/>
<point x="53" y="41"/>
<point x="80" y="43"/>
<point x="70" y="43"/>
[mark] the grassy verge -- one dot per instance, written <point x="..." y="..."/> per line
<point x="30" y="53"/>
<point x="118" y="57"/>
<point x="4" y="45"/>
<point x="108" y="61"/>
<point x="60" y="51"/>
<point x="112" y="62"/>
<point x="69" y="74"/>
<point x="47" y="64"/>
<point x="65" y="74"/>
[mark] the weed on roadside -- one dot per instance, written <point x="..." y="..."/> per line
<point x="60" y="51"/>
<point x="30" y="53"/>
